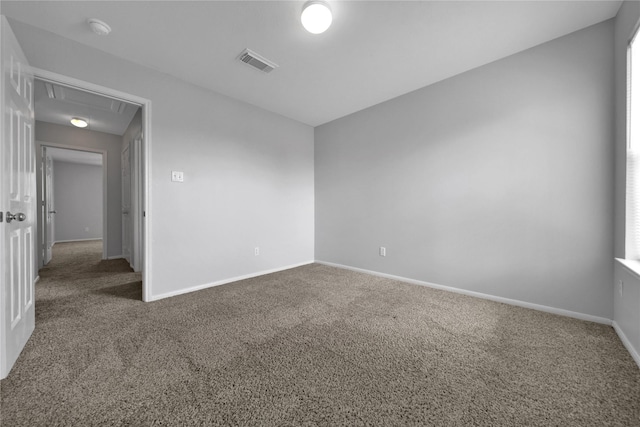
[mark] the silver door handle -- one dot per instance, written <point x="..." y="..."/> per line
<point x="52" y="212"/>
<point x="18" y="217"/>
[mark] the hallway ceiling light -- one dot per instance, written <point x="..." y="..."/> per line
<point x="316" y="17"/>
<point x="99" y="27"/>
<point x="78" y="122"/>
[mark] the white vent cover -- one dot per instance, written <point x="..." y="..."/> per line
<point x="249" y="57"/>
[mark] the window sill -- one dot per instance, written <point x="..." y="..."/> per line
<point x="633" y="266"/>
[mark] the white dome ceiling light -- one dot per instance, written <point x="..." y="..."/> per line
<point x="78" y="122"/>
<point x="99" y="27"/>
<point x="316" y="16"/>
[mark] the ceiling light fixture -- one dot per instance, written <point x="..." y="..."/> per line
<point x="316" y="16"/>
<point x="78" y="122"/>
<point x="99" y="27"/>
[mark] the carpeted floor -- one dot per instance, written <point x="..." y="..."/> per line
<point x="309" y="346"/>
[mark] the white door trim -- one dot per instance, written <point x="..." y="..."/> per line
<point x="146" y="154"/>
<point x="43" y="144"/>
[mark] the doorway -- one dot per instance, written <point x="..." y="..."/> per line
<point x="73" y="124"/>
<point x="73" y="189"/>
<point x="125" y="203"/>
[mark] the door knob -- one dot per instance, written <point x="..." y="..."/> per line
<point x="18" y="217"/>
<point x="52" y="212"/>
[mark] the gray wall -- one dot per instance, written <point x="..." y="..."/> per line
<point x="626" y="311"/>
<point x="498" y="180"/>
<point x="78" y="201"/>
<point x="248" y="172"/>
<point x="83" y="138"/>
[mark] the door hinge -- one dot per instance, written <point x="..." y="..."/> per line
<point x="1" y="216"/>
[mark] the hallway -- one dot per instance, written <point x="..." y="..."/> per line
<point x="77" y="272"/>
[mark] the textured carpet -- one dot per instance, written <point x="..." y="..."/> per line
<point x="314" y="345"/>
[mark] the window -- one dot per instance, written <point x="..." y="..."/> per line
<point x="632" y="241"/>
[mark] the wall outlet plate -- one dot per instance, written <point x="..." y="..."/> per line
<point x="383" y="251"/>
<point x="177" y="176"/>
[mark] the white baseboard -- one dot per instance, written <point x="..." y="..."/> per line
<point x="36" y="280"/>
<point x="547" y="309"/>
<point x="225" y="281"/>
<point x="75" y="240"/>
<point x="115" y="257"/>
<point x="627" y="343"/>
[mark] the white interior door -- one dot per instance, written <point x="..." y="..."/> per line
<point x="48" y="210"/>
<point x="17" y="202"/>
<point x="126" y="204"/>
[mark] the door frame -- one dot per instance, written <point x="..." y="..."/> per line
<point x="145" y="104"/>
<point x="42" y="221"/>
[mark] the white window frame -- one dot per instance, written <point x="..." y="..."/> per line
<point x="632" y="199"/>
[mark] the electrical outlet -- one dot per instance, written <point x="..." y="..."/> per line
<point x="621" y="287"/>
<point x="256" y="251"/>
<point x="383" y="251"/>
<point x="177" y="176"/>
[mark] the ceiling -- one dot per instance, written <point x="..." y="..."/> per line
<point x="75" y="156"/>
<point x="373" y="51"/>
<point x="58" y="104"/>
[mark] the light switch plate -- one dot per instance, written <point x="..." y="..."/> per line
<point x="177" y="176"/>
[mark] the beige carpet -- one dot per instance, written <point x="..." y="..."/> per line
<point x="309" y="346"/>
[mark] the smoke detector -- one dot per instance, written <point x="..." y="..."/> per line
<point x="256" y="61"/>
<point x="99" y="27"/>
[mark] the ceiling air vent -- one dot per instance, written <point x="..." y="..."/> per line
<point x="54" y="91"/>
<point x="249" y="57"/>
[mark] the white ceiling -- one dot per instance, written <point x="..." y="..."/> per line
<point x="74" y="156"/>
<point x="374" y="50"/>
<point x="58" y="104"/>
